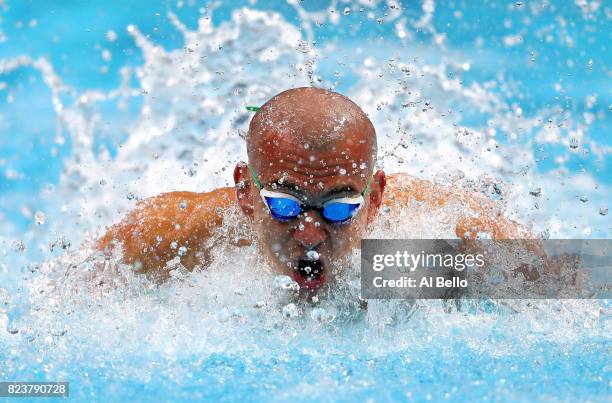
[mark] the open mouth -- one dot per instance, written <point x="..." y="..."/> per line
<point x="309" y="273"/>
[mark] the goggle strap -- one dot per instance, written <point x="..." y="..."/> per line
<point x="255" y="179"/>
<point x="367" y="188"/>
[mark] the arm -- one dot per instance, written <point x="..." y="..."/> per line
<point x="486" y="216"/>
<point x="166" y="226"/>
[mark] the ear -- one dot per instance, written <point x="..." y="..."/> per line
<point x="244" y="188"/>
<point x="375" y="195"/>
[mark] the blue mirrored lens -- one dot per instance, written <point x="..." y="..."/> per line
<point x="283" y="209"/>
<point x="338" y="212"/>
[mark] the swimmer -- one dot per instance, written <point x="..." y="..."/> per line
<point x="309" y="193"/>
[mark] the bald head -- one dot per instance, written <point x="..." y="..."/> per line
<point x="317" y="146"/>
<point x="312" y="118"/>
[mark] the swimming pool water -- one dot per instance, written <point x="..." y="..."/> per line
<point x="103" y="104"/>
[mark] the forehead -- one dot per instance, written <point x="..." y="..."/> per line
<point x="312" y="164"/>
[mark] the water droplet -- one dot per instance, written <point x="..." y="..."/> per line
<point x="182" y="251"/>
<point x="537" y="192"/>
<point x="603" y="210"/>
<point x="290" y="311"/>
<point x="573" y="144"/>
<point x="321" y="315"/>
<point x="39" y="217"/>
<point x="342" y="171"/>
<point x="111" y="36"/>
<point x="173" y="245"/>
<point x="183" y="204"/>
<point x="584" y="199"/>
<point x="286" y="283"/>
<point x="18" y="246"/>
<point x="62" y="242"/>
<point x="346" y="11"/>
<point x="106" y="55"/>
<point x="312" y="254"/>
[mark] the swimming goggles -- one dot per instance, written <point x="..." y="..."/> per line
<point x="285" y="207"/>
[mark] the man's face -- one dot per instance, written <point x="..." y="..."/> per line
<point x="314" y="174"/>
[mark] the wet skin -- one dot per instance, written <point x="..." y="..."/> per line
<point x="289" y="168"/>
<point x="312" y="144"/>
<point x="315" y="145"/>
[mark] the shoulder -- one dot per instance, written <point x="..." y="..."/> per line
<point x="173" y="213"/>
<point x="401" y="188"/>
<point x="188" y="201"/>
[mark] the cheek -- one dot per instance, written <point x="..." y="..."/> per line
<point x="349" y="234"/>
<point x="269" y="229"/>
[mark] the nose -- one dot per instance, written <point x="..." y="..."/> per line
<point x="310" y="231"/>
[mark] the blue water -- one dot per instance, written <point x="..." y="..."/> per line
<point x="547" y="64"/>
